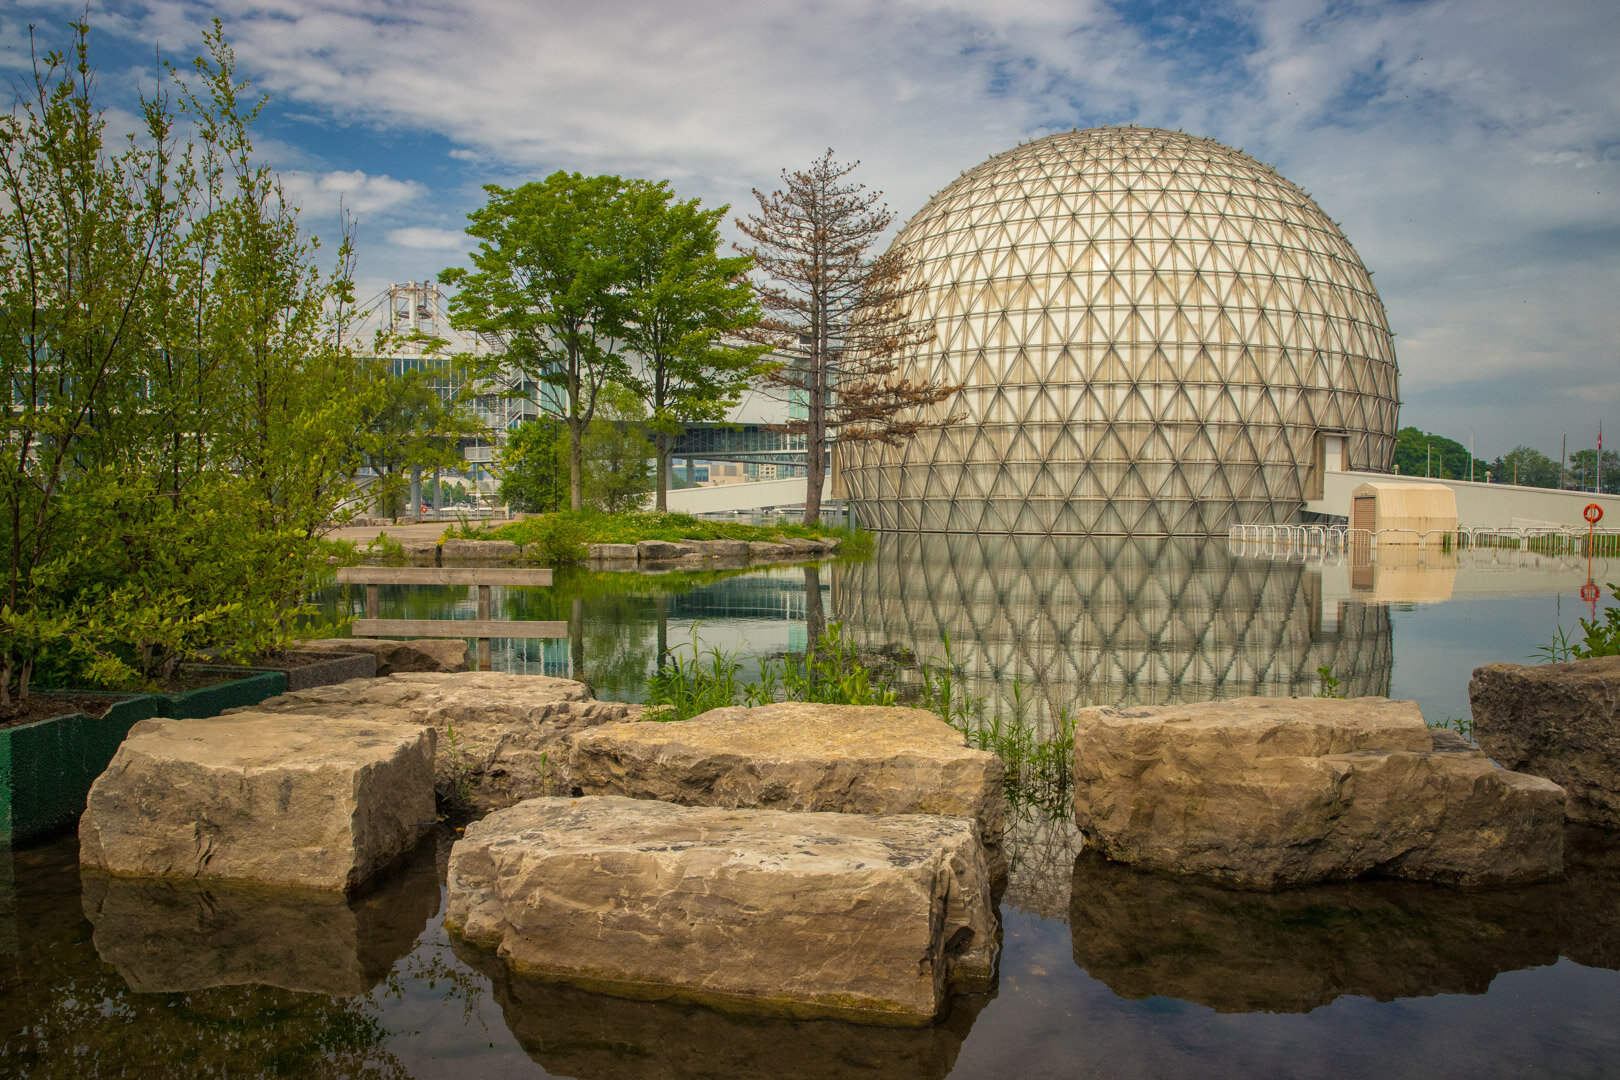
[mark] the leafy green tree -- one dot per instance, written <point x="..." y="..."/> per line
<point x="1527" y="467"/>
<point x="686" y="306"/>
<point x="1583" y="472"/>
<point x="534" y="466"/>
<point x="550" y="278"/>
<point x="1422" y="453"/>
<point x="411" y="425"/>
<point x="618" y="457"/>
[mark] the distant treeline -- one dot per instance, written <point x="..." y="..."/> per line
<point x="1423" y="453"/>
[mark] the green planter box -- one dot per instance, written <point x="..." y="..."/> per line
<point x="46" y="769"/>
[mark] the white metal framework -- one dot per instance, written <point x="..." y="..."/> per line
<point x="1155" y="335"/>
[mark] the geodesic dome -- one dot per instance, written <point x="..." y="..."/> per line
<point x="1155" y="335"/>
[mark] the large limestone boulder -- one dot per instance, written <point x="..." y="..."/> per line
<point x="393" y="657"/>
<point x="1268" y="793"/>
<point x="500" y="736"/>
<point x="274" y="798"/>
<point x="817" y="915"/>
<point x="1561" y="721"/>
<point x="854" y="759"/>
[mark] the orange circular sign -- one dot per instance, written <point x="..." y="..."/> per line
<point x="1593" y="513"/>
<point x="1590" y="593"/>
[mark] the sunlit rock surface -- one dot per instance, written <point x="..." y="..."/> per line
<point x="393" y="657"/>
<point x="173" y="935"/>
<point x="858" y="759"/>
<point x="1270" y="793"/>
<point x="1151" y="935"/>
<point x="842" y="915"/>
<point x="573" y="1032"/>
<point x="1561" y="721"/>
<point x="500" y="736"/>
<point x="276" y="798"/>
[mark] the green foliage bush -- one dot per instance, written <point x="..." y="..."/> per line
<point x="180" y="423"/>
<point x="1601" y="638"/>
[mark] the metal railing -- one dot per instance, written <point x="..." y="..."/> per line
<point x="1285" y="541"/>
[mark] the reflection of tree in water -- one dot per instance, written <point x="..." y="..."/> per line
<point x="1077" y="621"/>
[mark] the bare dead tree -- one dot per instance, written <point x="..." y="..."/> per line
<point x="841" y="315"/>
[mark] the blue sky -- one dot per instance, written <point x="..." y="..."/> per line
<point x="1469" y="148"/>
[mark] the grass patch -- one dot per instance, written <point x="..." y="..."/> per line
<point x="594" y="527"/>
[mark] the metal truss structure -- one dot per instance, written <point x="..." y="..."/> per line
<point x="1155" y="335"/>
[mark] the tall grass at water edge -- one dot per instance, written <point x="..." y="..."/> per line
<point x="695" y="679"/>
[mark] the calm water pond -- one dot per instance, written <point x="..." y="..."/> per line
<point x="1105" y="972"/>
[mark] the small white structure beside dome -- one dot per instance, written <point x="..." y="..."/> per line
<point x="1155" y="334"/>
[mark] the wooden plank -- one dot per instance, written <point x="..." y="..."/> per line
<point x="442" y="575"/>
<point x="459" y="628"/>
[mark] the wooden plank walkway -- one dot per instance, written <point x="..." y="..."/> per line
<point x="483" y="628"/>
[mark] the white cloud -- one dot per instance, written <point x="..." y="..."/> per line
<point x="322" y="193"/>
<point x="428" y="239"/>
<point x="1471" y="148"/>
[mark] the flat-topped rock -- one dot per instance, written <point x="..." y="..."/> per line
<point x="842" y="915"/>
<point x="857" y="759"/>
<point x="1270" y="793"/>
<point x="393" y="657"/>
<point x="1561" y="721"/>
<point x="275" y="798"/>
<point x="508" y="730"/>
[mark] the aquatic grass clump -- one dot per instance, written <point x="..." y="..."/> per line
<point x="1039" y="764"/>
<point x="830" y="672"/>
<point x="1598" y="638"/>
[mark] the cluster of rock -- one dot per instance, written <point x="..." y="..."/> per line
<point x="1267" y="793"/>
<point x="789" y="860"/>
<point x="1561" y="721"/>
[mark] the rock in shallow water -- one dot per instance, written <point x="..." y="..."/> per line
<point x="864" y="918"/>
<point x="1561" y="721"/>
<point x="856" y="759"/>
<point x="280" y="799"/>
<point x="1268" y="793"/>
